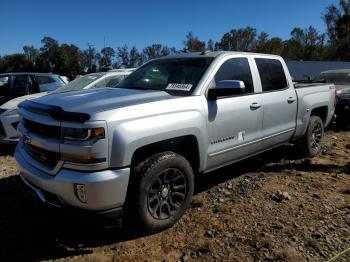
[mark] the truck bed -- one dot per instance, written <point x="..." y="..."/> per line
<point x="305" y="85"/>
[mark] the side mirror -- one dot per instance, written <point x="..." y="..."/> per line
<point x="226" y="88"/>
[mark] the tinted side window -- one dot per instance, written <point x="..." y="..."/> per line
<point x="44" y="80"/>
<point x="20" y="85"/>
<point x="4" y="85"/>
<point x="236" y="69"/>
<point x="271" y="74"/>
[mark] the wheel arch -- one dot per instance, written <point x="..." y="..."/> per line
<point x="321" y="112"/>
<point x="186" y="146"/>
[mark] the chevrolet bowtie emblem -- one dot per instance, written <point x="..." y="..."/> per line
<point x="27" y="139"/>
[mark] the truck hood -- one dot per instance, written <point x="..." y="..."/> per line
<point x="13" y="103"/>
<point x="102" y="99"/>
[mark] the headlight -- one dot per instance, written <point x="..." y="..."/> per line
<point x="82" y="134"/>
<point x="338" y="92"/>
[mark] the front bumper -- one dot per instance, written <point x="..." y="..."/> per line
<point x="8" y="128"/>
<point x="104" y="190"/>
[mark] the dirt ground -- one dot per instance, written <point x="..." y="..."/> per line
<point x="274" y="207"/>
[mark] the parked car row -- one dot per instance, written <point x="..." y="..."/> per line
<point x="9" y="117"/>
<point x="14" y="85"/>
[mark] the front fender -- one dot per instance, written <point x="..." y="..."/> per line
<point x="132" y="135"/>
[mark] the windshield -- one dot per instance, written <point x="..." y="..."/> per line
<point x="79" y="84"/>
<point x="336" y="78"/>
<point x="178" y="76"/>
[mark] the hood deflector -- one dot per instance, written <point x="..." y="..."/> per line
<point x="55" y="112"/>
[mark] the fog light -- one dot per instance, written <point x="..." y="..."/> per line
<point x="80" y="192"/>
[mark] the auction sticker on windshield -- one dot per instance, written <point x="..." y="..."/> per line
<point x="179" y="87"/>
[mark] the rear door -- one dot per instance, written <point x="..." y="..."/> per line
<point x="20" y="85"/>
<point x="234" y="122"/>
<point x="279" y="100"/>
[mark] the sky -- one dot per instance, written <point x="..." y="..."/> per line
<point x="141" y="23"/>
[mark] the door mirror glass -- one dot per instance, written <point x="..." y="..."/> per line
<point x="226" y="88"/>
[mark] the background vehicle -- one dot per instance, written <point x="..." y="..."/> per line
<point x="9" y="117"/>
<point x="135" y="148"/>
<point x="341" y="80"/>
<point x="96" y="80"/>
<point x="65" y="79"/>
<point x="14" y="85"/>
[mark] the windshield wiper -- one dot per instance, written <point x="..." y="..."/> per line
<point x="132" y="87"/>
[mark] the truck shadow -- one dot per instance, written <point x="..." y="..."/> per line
<point x="30" y="231"/>
<point x="277" y="161"/>
<point x="7" y="150"/>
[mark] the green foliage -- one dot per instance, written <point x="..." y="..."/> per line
<point x="303" y="44"/>
<point x="193" y="44"/>
<point x="243" y="39"/>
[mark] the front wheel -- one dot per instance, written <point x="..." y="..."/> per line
<point x="311" y="144"/>
<point x="160" y="191"/>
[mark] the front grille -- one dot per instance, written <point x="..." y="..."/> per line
<point x="41" y="129"/>
<point x="46" y="157"/>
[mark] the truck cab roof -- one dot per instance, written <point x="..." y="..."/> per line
<point x="214" y="54"/>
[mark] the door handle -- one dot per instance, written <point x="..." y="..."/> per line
<point x="255" y="105"/>
<point x="290" y="100"/>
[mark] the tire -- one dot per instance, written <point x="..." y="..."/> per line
<point x="311" y="144"/>
<point x="159" y="192"/>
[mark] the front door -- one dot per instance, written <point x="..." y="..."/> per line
<point x="235" y="122"/>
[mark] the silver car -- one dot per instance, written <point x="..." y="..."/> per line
<point x="9" y="117"/>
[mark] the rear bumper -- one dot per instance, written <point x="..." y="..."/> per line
<point x="105" y="191"/>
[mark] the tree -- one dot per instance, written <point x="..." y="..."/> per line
<point x="156" y="51"/>
<point x="90" y="59"/>
<point x="15" y="63"/>
<point x="274" y="46"/>
<point x="123" y="57"/>
<point x="261" y="42"/>
<point x="135" y="58"/>
<point x="106" y="60"/>
<point x="337" y="21"/>
<point x="50" y="55"/>
<point x="129" y="59"/>
<point x="31" y="54"/>
<point x="72" y="61"/>
<point x="210" y="45"/>
<point x="243" y="39"/>
<point x="304" y="44"/>
<point x="193" y="44"/>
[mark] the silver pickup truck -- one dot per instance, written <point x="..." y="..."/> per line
<point x="136" y="151"/>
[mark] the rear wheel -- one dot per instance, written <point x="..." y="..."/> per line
<point x="311" y="144"/>
<point x="161" y="189"/>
